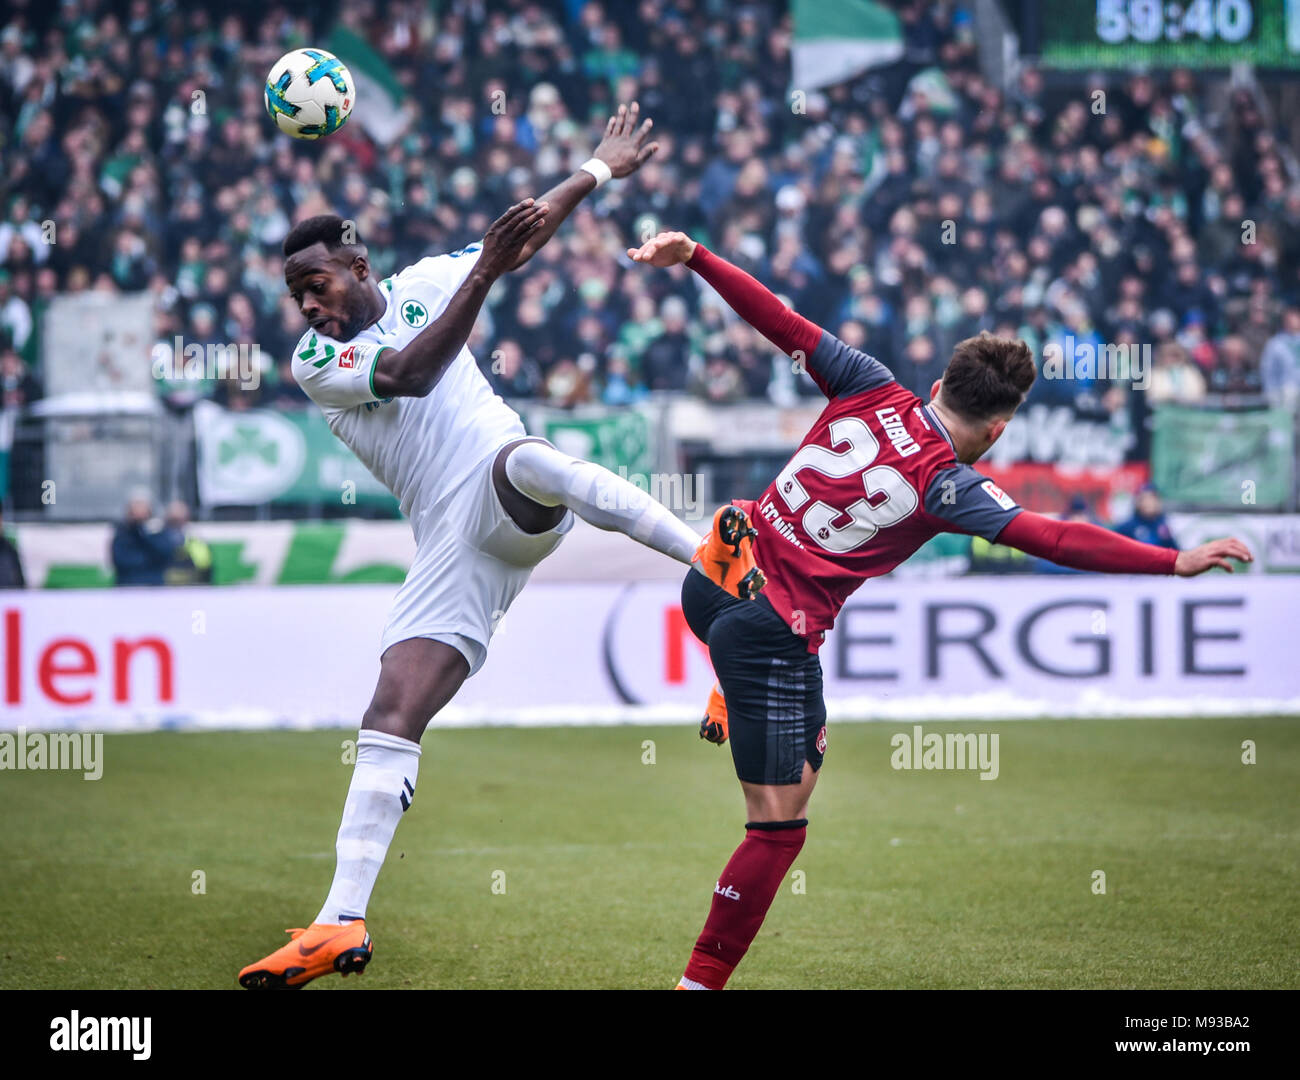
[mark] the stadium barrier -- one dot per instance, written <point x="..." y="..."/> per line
<point x="598" y="653"/>
<point x="75" y="457"/>
<point x="376" y="552"/>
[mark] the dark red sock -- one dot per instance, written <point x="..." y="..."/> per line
<point x="740" y="901"/>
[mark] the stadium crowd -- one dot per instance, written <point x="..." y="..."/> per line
<point x="138" y="131"/>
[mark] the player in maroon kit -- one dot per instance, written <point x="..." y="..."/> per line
<point x="879" y="474"/>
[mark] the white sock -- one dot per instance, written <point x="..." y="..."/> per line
<point x="383" y="784"/>
<point x="689" y="984"/>
<point x="599" y="497"/>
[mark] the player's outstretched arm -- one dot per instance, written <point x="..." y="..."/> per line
<point x="838" y="369"/>
<point x="1084" y="546"/>
<point x="416" y="369"/>
<point x="623" y="150"/>
<point x="750" y="299"/>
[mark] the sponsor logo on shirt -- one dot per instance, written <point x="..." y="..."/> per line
<point x="998" y="495"/>
<point x="348" y="357"/>
<point x="309" y="353"/>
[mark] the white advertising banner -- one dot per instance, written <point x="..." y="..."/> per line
<point x="602" y="653"/>
<point x="1274" y="539"/>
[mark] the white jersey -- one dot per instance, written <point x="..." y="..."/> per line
<point x="421" y="449"/>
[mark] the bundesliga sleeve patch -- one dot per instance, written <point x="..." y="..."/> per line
<point x="358" y="357"/>
<point x="998" y="495"/>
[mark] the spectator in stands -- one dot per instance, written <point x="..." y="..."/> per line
<point x="15" y="314"/>
<point x="1148" y="522"/>
<point x="11" y="566"/>
<point x="1280" y="362"/>
<point x="719" y="380"/>
<point x="619" y="388"/>
<point x="569" y="383"/>
<point x="18" y="386"/>
<point x="512" y="374"/>
<point x="1067" y="222"/>
<point x="921" y="365"/>
<point x="1233" y="372"/>
<point x="665" y="361"/>
<point x="1175" y="379"/>
<point x="191" y="562"/>
<point x="142" y="549"/>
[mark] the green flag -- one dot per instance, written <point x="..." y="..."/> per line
<point x="380" y="97"/>
<point x="835" y="41"/>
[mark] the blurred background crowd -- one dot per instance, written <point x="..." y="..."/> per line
<point x="1120" y="224"/>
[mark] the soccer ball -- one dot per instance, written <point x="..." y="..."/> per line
<point x="309" y="93"/>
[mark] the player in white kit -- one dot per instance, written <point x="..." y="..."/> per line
<point x="387" y="363"/>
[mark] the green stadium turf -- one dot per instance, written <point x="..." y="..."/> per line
<point x="912" y="879"/>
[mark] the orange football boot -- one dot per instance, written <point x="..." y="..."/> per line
<point x="726" y="554"/>
<point x="315" y="951"/>
<point x="714" y="725"/>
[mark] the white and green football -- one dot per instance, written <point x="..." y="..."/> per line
<point x="309" y="93"/>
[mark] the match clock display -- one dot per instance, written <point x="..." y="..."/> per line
<point x="1164" y="33"/>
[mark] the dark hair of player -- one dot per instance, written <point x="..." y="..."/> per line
<point x="324" y="229"/>
<point x="988" y="376"/>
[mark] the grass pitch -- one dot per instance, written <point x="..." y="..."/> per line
<point x="911" y="879"/>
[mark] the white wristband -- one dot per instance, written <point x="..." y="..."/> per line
<point x="598" y="169"/>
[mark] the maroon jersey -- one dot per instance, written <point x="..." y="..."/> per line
<point x="873" y="480"/>
<point x="876" y="477"/>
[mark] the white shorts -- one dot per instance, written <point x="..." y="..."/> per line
<point x="471" y="561"/>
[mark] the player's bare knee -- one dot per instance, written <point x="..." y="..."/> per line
<point x="402" y="723"/>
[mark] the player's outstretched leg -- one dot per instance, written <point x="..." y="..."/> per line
<point x="417" y="678"/>
<point x="540" y="472"/>
<point x="726" y="554"/>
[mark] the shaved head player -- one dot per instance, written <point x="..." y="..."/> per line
<point x="386" y="361"/>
